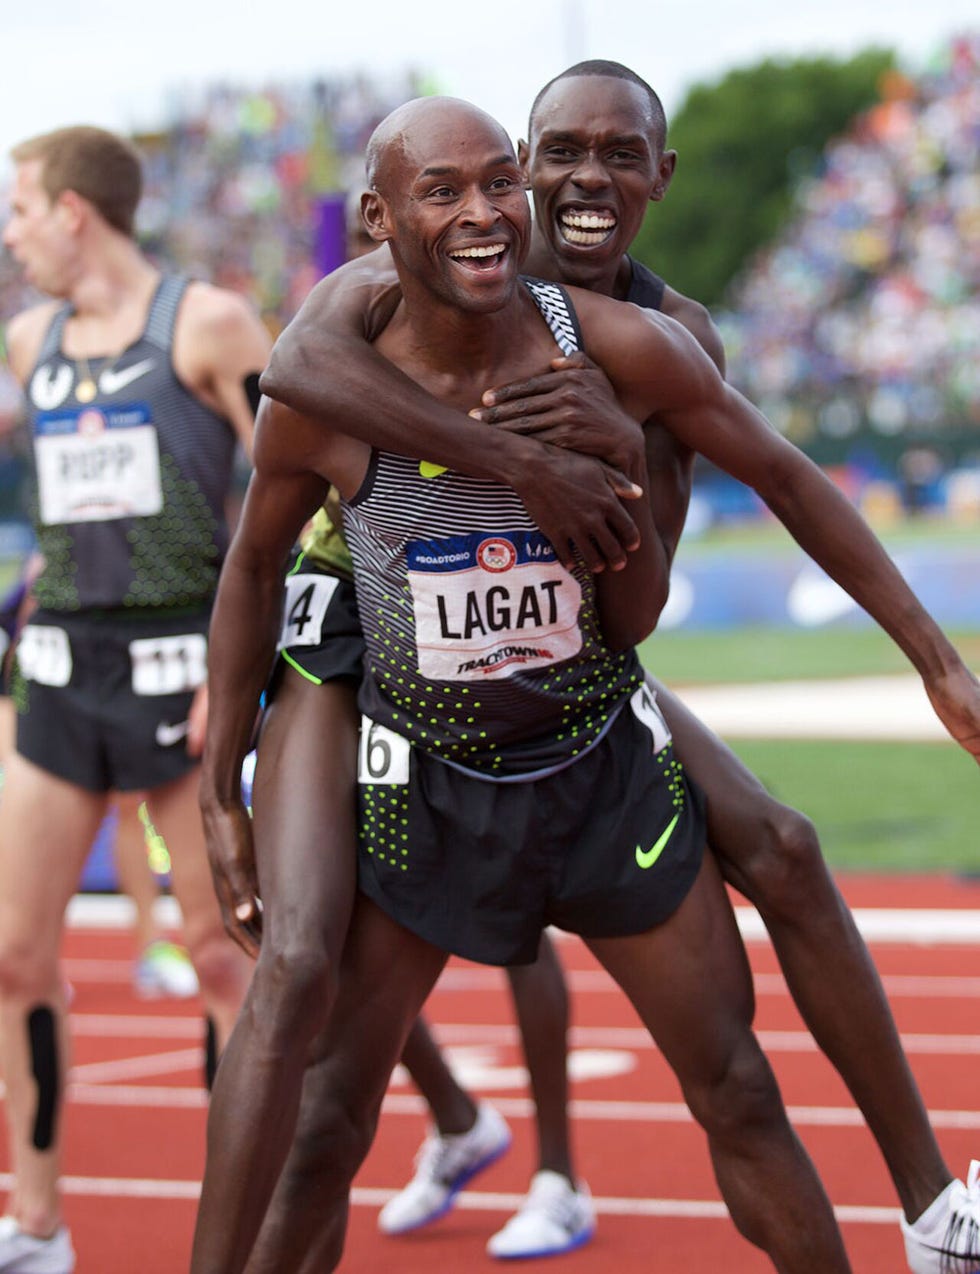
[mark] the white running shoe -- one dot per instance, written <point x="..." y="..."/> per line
<point x="164" y="969"/>
<point x="22" y="1253"/>
<point x="555" y="1217"/>
<point x="443" y="1166"/>
<point x="946" y="1238"/>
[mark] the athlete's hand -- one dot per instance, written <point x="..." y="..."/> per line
<point x="955" y="695"/>
<point x="577" y="503"/>
<point x="231" y="852"/>
<point x="572" y="406"/>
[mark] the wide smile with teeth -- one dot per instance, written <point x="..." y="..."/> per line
<point x="587" y="229"/>
<point x="480" y="256"/>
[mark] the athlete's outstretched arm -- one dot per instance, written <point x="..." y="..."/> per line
<point x="324" y="367"/>
<point x="242" y="643"/>
<point x="658" y="368"/>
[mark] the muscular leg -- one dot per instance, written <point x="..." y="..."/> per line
<point x="771" y="854"/>
<point x="385" y="977"/>
<point x="541" y="1000"/>
<point x="46" y="829"/>
<point x="223" y="970"/>
<point x="690" y="982"/>
<point x="303" y="800"/>
<point x="453" y="1109"/>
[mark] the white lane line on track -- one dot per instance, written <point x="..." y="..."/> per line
<point x="108" y="1026"/>
<point x="635" y="1037"/>
<point x="952" y="926"/>
<point x="650" y="1112"/>
<point x="132" y="1026"/>
<point x="140" y="1067"/>
<point x="470" y="1200"/>
<point x="586" y="981"/>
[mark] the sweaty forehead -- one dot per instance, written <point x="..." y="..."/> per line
<point x="594" y="104"/>
<point x="453" y="140"/>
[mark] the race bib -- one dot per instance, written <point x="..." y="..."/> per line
<point x="44" y="655"/>
<point x="97" y="464"/>
<point x="168" y="665"/>
<point x="644" y="705"/>
<point x="487" y="605"/>
<point x="307" y="599"/>
<point x="383" y="756"/>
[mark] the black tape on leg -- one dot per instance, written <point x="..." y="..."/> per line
<point x="210" y="1052"/>
<point x="43" y="1035"/>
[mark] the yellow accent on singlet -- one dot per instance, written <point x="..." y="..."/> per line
<point x="323" y="541"/>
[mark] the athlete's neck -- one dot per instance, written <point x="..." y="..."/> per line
<point x="608" y="279"/>
<point x="110" y="300"/>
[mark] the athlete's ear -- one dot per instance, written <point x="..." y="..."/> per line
<point x="374" y="214"/>
<point x="72" y="209"/>
<point x="665" y="173"/>
<point x="524" y="159"/>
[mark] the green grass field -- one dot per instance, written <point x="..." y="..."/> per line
<point x="877" y="806"/>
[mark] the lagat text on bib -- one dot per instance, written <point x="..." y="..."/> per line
<point x="489" y="603"/>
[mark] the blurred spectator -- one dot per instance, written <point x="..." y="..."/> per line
<point x="233" y="187"/>
<point x="863" y="319"/>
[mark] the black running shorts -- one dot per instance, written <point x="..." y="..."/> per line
<point x="103" y="701"/>
<point x="321" y="630"/>
<point x="606" y="847"/>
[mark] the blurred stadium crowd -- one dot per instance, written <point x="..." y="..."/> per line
<point x="857" y="332"/>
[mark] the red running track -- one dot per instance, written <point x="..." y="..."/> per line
<point x="136" y="1115"/>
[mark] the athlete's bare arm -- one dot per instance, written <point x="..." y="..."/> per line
<point x="244" y="630"/>
<point x="575" y="406"/>
<point x="219" y="340"/>
<point x="323" y="366"/>
<point x="24" y="336"/>
<point x="657" y="368"/>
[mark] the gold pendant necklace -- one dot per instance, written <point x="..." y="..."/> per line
<point x="85" y="386"/>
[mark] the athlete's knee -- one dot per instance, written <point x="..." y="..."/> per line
<point x="331" y="1141"/>
<point x="27" y="972"/>
<point x="784" y="871"/>
<point x="222" y="968"/>
<point x="739" y="1097"/>
<point x="295" y="986"/>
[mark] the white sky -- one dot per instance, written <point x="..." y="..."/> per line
<point x="118" y="64"/>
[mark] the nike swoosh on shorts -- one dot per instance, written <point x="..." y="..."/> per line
<point x="646" y="858"/>
<point x="167" y="735"/>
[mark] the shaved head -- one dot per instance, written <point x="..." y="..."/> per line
<point x="400" y="132"/>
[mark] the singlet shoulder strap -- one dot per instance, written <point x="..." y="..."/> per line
<point x="646" y="288"/>
<point x="52" y="337"/>
<point x="163" y="310"/>
<point x="558" y="312"/>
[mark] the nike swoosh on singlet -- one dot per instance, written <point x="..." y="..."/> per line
<point x="111" y="381"/>
<point x="429" y="470"/>
<point x="167" y="734"/>
<point x="646" y="858"/>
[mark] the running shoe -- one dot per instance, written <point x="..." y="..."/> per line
<point x="946" y="1238"/>
<point x="22" y="1253"/>
<point x="163" y="969"/>
<point x="555" y="1217"/>
<point x="443" y="1166"/>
